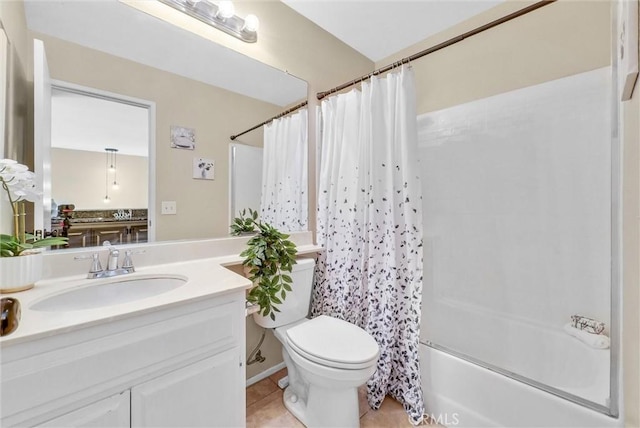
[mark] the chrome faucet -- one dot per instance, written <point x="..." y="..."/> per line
<point x="96" y="271"/>
<point x="112" y="262"/>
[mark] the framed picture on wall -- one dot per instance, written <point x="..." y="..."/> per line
<point x="183" y="138"/>
<point x="628" y="47"/>
<point x="203" y="169"/>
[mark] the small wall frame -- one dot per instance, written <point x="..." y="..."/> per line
<point x="203" y="169"/>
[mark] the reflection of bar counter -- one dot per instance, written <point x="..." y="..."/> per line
<point x="89" y="232"/>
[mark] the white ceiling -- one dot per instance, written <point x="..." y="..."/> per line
<point x="118" y="29"/>
<point x="81" y="122"/>
<point x="380" y="28"/>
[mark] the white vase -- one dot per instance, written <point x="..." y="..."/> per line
<point x="20" y="273"/>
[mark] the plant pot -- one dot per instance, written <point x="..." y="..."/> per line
<point x="20" y="273"/>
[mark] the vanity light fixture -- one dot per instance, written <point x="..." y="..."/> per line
<point x="221" y="16"/>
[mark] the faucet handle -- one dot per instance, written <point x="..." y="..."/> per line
<point x="95" y="262"/>
<point x="127" y="263"/>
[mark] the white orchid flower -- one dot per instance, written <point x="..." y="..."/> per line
<point x="17" y="181"/>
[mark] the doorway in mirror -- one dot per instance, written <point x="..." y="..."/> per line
<point x="102" y="165"/>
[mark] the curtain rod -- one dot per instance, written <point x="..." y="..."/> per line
<point x="439" y="46"/>
<point x="284" y="113"/>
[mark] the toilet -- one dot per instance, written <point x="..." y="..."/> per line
<point x="327" y="358"/>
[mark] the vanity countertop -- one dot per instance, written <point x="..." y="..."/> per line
<point x="207" y="277"/>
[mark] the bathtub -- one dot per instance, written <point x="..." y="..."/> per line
<point x="460" y="393"/>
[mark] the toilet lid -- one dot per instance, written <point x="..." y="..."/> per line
<point x="333" y="342"/>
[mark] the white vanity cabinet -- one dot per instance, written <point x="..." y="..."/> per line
<point x="177" y="365"/>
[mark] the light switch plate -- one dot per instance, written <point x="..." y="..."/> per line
<point x="168" y="208"/>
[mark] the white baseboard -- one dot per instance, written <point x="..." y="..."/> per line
<point x="265" y="374"/>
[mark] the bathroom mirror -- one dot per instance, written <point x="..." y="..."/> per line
<point x="197" y="87"/>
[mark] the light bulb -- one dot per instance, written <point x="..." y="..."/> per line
<point x="106" y="199"/>
<point x="115" y="185"/>
<point x="112" y="168"/>
<point x="251" y="23"/>
<point x="225" y="9"/>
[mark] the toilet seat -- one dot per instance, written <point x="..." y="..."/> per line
<point x="333" y="343"/>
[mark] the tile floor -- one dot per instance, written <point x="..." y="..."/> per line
<point x="266" y="409"/>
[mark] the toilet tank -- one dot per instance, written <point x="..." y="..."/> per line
<point x="296" y="303"/>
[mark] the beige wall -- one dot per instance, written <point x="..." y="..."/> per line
<point x="79" y="177"/>
<point x="543" y="45"/>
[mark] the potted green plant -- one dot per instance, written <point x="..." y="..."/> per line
<point x="20" y="259"/>
<point x="244" y="224"/>
<point x="269" y="256"/>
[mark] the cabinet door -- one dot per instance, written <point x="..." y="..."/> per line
<point x="114" y="236"/>
<point x="139" y="233"/>
<point x="109" y="412"/>
<point x="79" y="238"/>
<point x="209" y="393"/>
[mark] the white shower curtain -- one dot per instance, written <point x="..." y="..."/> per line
<point x="283" y="202"/>
<point x="370" y="224"/>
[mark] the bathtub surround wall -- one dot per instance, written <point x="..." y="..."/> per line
<point x="369" y="222"/>
<point x="284" y="202"/>
<point x="517" y="196"/>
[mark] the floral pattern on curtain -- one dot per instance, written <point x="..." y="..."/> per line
<point x="370" y="224"/>
<point x="284" y="202"/>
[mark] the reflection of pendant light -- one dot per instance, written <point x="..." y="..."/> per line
<point x="106" y="188"/>
<point x="111" y="165"/>
<point x="115" y="169"/>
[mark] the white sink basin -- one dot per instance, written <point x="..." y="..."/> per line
<point x="113" y="292"/>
